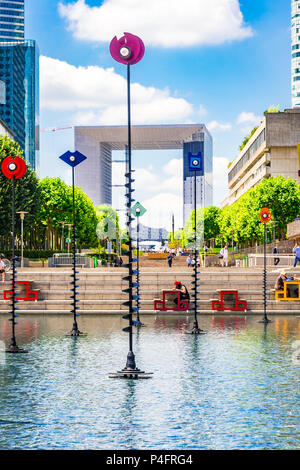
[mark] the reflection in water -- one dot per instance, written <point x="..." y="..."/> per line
<point x="236" y="387"/>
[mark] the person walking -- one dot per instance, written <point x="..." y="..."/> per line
<point x="224" y="254"/>
<point x="189" y="261"/>
<point x="275" y="252"/>
<point x="170" y="260"/>
<point x="2" y="269"/>
<point x="296" y="250"/>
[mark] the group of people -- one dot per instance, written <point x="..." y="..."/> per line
<point x="191" y="261"/>
<point x="287" y="276"/>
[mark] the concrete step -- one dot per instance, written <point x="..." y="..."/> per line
<point x="58" y="305"/>
<point x="145" y="294"/>
<point x="190" y="314"/>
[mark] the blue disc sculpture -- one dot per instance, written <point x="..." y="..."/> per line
<point x="73" y="159"/>
<point x="196" y="167"/>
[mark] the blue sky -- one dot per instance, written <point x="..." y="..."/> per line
<point x="222" y="65"/>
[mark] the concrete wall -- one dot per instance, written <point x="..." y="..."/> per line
<point x="284" y="161"/>
<point x="94" y="174"/>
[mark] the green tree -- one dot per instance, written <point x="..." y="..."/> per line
<point x="27" y="191"/>
<point x="240" y="220"/>
<point x="57" y="206"/>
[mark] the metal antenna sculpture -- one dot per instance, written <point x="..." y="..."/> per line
<point x="74" y="159"/>
<point x="129" y="50"/>
<point x="265" y="217"/>
<point x="195" y="166"/>
<point x="14" y="168"/>
<point x="138" y="210"/>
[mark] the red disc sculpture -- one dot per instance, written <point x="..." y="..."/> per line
<point x="265" y="215"/>
<point x="127" y="50"/>
<point x="13" y="168"/>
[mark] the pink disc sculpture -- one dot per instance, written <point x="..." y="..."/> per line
<point x="127" y="50"/>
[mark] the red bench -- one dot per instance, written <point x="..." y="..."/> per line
<point x="26" y="294"/>
<point x="167" y="304"/>
<point x="229" y="301"/>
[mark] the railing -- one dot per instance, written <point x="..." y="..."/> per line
<point x="258" y="260"/>
<point x="66" y="259"/>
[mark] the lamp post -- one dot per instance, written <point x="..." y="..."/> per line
<point x="69" y="235"/>
<point x="73" y="159"/>
<point x="22" y="216"/>
<point x="195" y="166"/>
<point x="129" y="50"/>
<point x="13" y="168"/>
<point x="62" y="245"/>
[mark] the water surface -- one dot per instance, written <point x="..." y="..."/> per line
<point x="237" y="387"/>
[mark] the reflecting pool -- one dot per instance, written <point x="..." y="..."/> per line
<point x="237" y="387"/>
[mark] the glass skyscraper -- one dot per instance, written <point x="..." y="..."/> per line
<point x="202" y="142"/>
<point x="295" y="53"/>
<point x="19" y="80"/>
<point x="12" y="21"/>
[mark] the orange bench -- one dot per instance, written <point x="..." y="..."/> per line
<point x="289" y="288"/>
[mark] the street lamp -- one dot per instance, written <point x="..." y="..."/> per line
<point x="62" y="245"/>
<point x="69" y="235"/>
<point x="22" y="216"/>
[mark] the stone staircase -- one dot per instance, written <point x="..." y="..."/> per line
<point x="101" y="292"/>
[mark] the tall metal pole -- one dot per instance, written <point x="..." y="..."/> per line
<point x="265" y="318"/>
<point x="129" y="49"/>
<point x="130" y="363"/>
<point x="138" y="272"/>
<point x="22" y="241"/>
<point x="13" y="348"/>
<point x="75" y="331"/>
<point x="196" y="330"/>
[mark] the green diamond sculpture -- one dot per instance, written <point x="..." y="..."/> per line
<point x="138" y="210"/>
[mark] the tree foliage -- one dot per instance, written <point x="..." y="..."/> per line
<point x="57" y="206"/>
<point x="239" y="222"/>
<point x="27" y="191"/>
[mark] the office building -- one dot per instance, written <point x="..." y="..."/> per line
<point x="295" y="53"/>
<point x="150" y="234"/>
<point x="5" y="130"/>
<point x="19" y="80"/>
<point x="97" y="143"/>
<point x="12" y="21"/>
<point x="19" y="104"/>
<point x="271" y="151"/>
<point x="201" y="142"/>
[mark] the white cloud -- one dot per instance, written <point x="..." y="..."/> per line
<point x="217" y="126"/>
<point x="167" y="23"/>
<point x="220" y="179"/>
<point x="160" y="209"/>
<point x="98" y="96"/>
<point x="248" y="118"/>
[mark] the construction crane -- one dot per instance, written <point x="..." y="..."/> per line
<point x="54" y="129"/>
